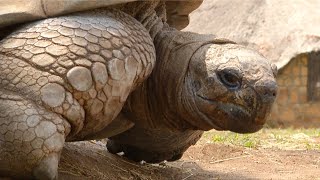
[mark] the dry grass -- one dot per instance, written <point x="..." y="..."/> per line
<point x="286" y="139"/>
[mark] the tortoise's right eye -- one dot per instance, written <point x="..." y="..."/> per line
<point x="230" y="78"/>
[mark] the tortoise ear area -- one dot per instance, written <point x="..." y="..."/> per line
<point x="196" y="85"/>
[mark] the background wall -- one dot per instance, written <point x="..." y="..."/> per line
<point x="292" y="107"/>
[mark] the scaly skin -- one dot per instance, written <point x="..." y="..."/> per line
<point x="31" y="137"/>
<point x="63" y="79"/>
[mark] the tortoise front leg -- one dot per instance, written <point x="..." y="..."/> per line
<point x="31" y="139"/>
<point x="119" y="125"/>
<point x="152" y="145"/>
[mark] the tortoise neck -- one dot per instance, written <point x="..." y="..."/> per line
<point x="151" y="14"/>
<point x="158" y="102"/>
<point x="154" y="22"/>
<point x="153" y="104"/>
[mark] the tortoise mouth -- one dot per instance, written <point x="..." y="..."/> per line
<point x="229" y="108"/>
<point x="229" y="116"/>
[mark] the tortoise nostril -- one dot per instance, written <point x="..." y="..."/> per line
<point x="267" y="90"/>
<point x="271" y="92"/>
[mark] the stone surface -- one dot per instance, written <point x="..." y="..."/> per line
<point x="276" y="29"/>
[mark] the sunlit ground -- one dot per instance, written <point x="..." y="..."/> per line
<point x="286" y="139"/>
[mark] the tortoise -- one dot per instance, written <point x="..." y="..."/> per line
<point x="120" y="71"/>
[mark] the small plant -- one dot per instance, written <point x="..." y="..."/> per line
<point x="249" y="144"/>
<point x="302" y="139"/>
<point x="218" y="138"/>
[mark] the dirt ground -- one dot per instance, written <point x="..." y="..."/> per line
<point x="226" y="162"/>
<point x="90" y="160"/>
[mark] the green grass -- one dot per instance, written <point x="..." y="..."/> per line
<point x="289" y="139"/>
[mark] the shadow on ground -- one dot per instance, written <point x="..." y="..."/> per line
<point x="90" y="160"/>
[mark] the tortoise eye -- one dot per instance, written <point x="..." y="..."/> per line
<point x="229" y="78"/>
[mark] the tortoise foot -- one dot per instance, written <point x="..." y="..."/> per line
<point x="137" y="154"/>
<point x="47" y="168"/>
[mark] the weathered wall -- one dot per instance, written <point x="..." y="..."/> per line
<point x="277" y="29"/>
<point x="292" y="107"/>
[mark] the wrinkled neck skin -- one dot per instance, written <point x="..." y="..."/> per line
<point x="159" y="102"/>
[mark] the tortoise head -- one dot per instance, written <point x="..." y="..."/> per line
<point x="229" y="87"/>
<point x="202" y="83"/>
